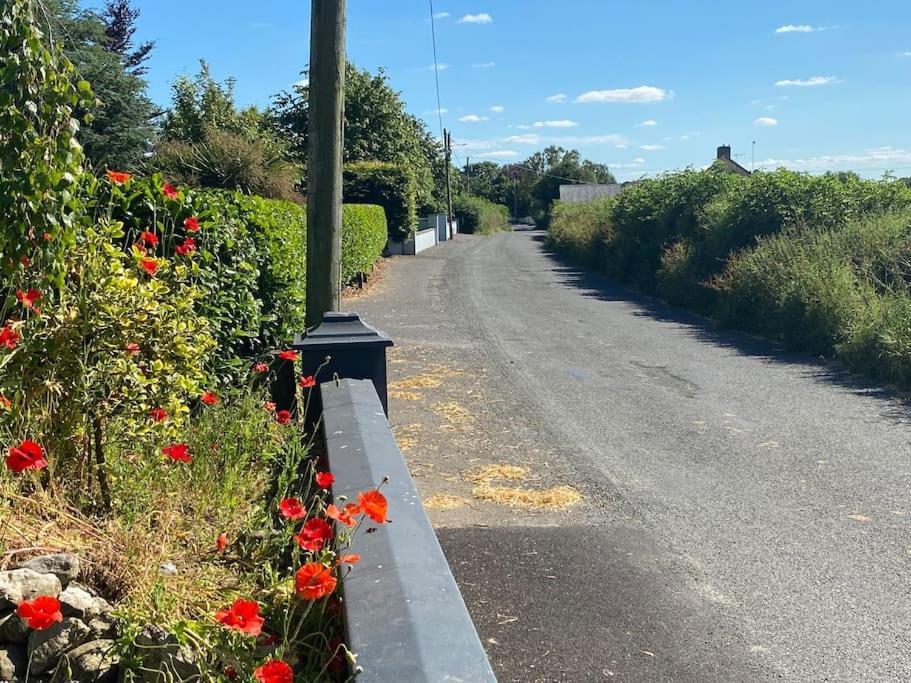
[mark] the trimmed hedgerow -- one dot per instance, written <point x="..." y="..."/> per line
<point x="392" y="186"/>
<point x="364" y="234"/>
<point x="478" y="215"/>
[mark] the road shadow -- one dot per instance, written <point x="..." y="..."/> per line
<point x="893" y="404"/>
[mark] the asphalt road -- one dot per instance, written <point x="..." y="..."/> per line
<point x="750" y="509"/>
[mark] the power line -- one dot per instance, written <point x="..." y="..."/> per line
<point x="436" y="69"/>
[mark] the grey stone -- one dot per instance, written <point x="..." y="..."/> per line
<point x="163" y="658"/>
<point x="13" y="662"/>
<point x="12" y="628"/>
<point x="65" y="566"/>
<point x="104" y="626"/>
<point x="76" y="601"/>
<point x="93" y="662"/>
<point x="17" y="585"/>
<point x="46" y="647"/>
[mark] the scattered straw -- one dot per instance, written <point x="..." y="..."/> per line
<point x="405" y="395"/>
<point x="498" y="471"/>
<point x="454" y="413"/>
<point x="431" y="378"/>
<point x="443" y="501"/>
<point x="555" y="498"/>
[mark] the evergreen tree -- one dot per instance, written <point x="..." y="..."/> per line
<point x="120" y="26"/>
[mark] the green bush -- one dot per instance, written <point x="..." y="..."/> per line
<point x="582" y="230"/>
<point x="391" y="186"/>
<point x="364" y="235"/>
<point x="478" y="215"/>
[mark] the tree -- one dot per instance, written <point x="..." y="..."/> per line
<point x="120" y="131"/>
<point x="377" y="128"/>
<point x="120" y="25"/>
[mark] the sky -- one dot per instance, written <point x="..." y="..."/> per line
<point x="645" y="86"/>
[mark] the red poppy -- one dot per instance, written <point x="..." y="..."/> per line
<point x="292" y="508"/>
<point x="149" y="265"/>
<point x="314" y="534"/>
<point x="210" y="398"/>
<point x="307" y="382"/>
<point x="314" y="581"/>
<point x="5" y="403"/>
<point x="147" y="237"/>
<point x="269" y="406"/>
<point x="274" y="671"/>
<point x="221" y="542"/>
<point x="242" y="616"/>
<point x="231" y="673"/>
<point x="343" y="515"/>
<point x="179" y="452"/>
<point x="374" y="504"/>
<point x="187" y="247"/>
<point x="47" y="237"/>
<point x="9" y="337"/>
<point x="169" y="191"/>
<point x="118" y="177"/>
<point x="25" y="261"/>
<point x="288" y="354"/>
<point x="191" y="224"/>
<point x="28" y="455"/>
<point x="351" y="558"/>
<point x="133" y="348"/>
<point x="261" y="367"/>
<point x="41" y="612"/>
<point x="28" y="299"/>
<point x="283" y="417"/>
<point x="324" y="479"/>
<point x="158" y="414"/>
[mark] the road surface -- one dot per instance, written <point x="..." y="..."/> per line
<point x="747" y="512"/>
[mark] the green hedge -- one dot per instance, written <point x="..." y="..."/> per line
<point x="819" y="262"/>
<point x="391" y="186"/>
<point x="478" y="215"/>
<point x="364" y="233"/>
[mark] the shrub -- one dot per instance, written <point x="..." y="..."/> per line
<point x="582" y="229"/>
<point x="478" y="215"/>
<point x="388" y="185"/>
<point x="364" y="235"/>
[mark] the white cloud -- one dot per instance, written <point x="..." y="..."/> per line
<point x="527" y="139"/>
<point x="639" y="160"/>
<point x="562" y="123"/>
<point x="642" y="93"/>
<point x="807" y="83"/>
<point x="441" y="15"/>
<point x="876" y="160"/>
<point x="557" y="99"/>
<point x="442" y="66"/>
<point x="647" y="124"/>
<point x="499" y="154"/>
<point x="482" y="18"/>
<point x="497" y="109"/>
<point x="484" y="65"/>
<point x="441" y="110"/>
<point x="682" y="137"/>
<point x="800" y="28"/>
<point x="651" y="148"/>
<point x="765" y="121"/>
<point x="472" y="118"/>
<point x="906" y="54"/>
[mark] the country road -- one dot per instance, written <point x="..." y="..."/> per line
<point x="746" y="512"/>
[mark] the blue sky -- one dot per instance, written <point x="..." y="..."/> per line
<point x="644" y="86"/>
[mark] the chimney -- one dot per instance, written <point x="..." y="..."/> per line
<point x="724" y="152"/>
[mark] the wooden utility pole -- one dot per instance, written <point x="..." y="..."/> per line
<point x="447" y="145"/>
<point x="324" y="174"/>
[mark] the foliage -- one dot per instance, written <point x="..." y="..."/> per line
<point x="120" y="131"/>
<point x="389" y="185"/>
<point x="377" y="128"/>
<point x="208" y="142"/>
<point x="40" y="158"/>
<point x="820" y="262"/>
<point x="364" y="234"/>
<point x="476" y="215"/>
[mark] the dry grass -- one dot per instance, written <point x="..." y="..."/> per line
<point x="431" y="378"/>
<point x="443" y="501"/>
<point x="405" y="395"/>
<point x="407" y="435"/>
<point x="454" y="413"/>
<point x="554" y="498"/>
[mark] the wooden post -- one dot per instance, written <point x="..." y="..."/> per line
<point x="324" y="175"/>
<point x="447" y="142"/>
